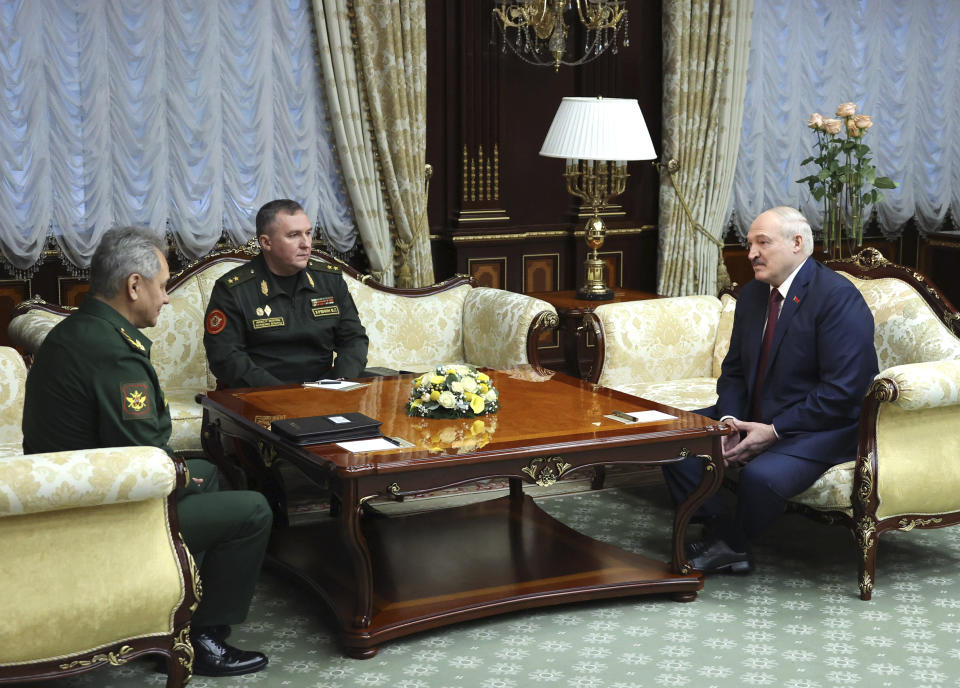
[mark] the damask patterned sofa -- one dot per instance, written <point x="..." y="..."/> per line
<point x="906" y="474"/>
<point x="81" y="586"/>
<point x="409" y="329"/>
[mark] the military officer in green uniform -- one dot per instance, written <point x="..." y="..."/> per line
<point x="92" y="385"/>
<point x="280" y="318"/>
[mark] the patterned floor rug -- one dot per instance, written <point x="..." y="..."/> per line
<point x="795" y="622"/>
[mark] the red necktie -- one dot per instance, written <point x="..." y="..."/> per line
<point x="773" y="314"/>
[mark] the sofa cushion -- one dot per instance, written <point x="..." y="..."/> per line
<point x="13" y="380"/>
<point x="411" y="332"/>
<point x="906" y="328"/>
<point x="832" y="490"/>
<point x="658" y="339"/>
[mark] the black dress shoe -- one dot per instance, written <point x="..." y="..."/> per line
<point x="213" y="657"/>
<point x="715" y="556"/>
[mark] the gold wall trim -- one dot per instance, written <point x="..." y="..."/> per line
<point x="517" y="235"/>
<point x="945" y="242"/>
<point x="624" y="231"/>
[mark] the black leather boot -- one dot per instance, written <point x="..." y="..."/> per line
<point x="213" y="657"/>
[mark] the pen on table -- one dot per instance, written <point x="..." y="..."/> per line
<point x="624" y="416"/>
<point x="392" y="441"/>
<point x="329" y="382"/>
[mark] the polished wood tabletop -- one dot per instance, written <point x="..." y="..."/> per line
<point x="540" y="410"/>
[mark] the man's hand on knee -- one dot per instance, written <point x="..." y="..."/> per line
<point x="759" y="437"/>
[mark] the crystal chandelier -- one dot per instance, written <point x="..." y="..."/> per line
<point x="536" y="30"/>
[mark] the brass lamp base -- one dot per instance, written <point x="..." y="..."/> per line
<point x="594" y="285"/>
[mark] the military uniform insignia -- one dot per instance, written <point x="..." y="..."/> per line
<point x="238" y="276"/>
<point x="134" y="343"/>
<point x="216" y="321"/>
<point x="310" y="280"/>
<point x="266" y="323"/>
<point x="322" y="301"/>
<point x="325" y="311"/>
<point x="259" y="311"/>
<point x="135" y="400"/>
<point x="264" y="288"/>
<point x="315" y="264"/>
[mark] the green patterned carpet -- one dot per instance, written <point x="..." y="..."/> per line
<point x="796" y="622"/>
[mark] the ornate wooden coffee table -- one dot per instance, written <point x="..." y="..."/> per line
<point x="389" y="577"/>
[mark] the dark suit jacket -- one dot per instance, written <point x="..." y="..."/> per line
<point x="822" y="360"/>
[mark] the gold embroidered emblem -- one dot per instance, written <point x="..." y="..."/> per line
<point x="136" y="343"/>
<point x="263" y="287"/>
<point x="136" y="400"/>
<point x="259" y="311"/>
<point x="310" y="280"/>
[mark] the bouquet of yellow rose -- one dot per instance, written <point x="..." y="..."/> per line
<point x="453" y="391"/>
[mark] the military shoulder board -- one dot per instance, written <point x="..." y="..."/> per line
<point x="323" y="267"/>
<point x="238" y="275"/>
<point x="135" y="344"/>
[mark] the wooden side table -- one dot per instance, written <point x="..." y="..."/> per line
<point x="571" y="312"/>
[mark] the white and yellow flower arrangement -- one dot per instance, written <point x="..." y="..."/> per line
<point x="453" y="391"/>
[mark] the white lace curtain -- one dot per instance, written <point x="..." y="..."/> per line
<point x="184" y="117"/>
<point x="899" y="61"/>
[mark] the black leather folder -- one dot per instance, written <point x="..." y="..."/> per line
<point x="336" y="427"/>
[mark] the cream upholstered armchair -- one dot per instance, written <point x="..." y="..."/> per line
<point x="409" y="329"/>
<point x="94" y="571"/>
<point x="906" y="473"/>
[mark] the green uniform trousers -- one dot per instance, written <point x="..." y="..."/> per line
<point x="227" y="533"/>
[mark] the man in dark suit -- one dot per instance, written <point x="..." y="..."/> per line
<point x="801" y="358"/>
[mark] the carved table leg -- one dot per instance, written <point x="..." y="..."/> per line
<point x="712" y="477"/>
<point x="358" y="555"/>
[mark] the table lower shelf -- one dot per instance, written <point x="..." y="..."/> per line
<point x="441" y="567"/>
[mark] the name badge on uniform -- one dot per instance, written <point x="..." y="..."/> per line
<point x="264" y="323"/>
<point x="325" y="311"/>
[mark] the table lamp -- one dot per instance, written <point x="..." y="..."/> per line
<point x="597" y="136"/>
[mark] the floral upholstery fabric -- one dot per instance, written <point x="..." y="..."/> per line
<point x="906" y="329"/>
<point x="13" y="379"/>
<point x="28" y="330"/>
<point x="495" y="326"/>
<point x="831" y="491"/>
<point x="728" y="305"/>
<point x="925" y="385"/>
<point x="85" y="477"/>
<point x="658" y="340"/>
<point x="414" y="332"/>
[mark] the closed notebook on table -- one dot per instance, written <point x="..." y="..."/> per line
<point x="336" y="427"/>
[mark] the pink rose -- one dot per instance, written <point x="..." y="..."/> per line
<point x="816" y="121"/>
<point x="846" y="109"/>
<point x="863" y="121"/>
<point x="832" y="126"/>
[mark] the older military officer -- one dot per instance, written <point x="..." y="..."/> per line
<point x="280" y="318"/>
<point x="92" y="385"/>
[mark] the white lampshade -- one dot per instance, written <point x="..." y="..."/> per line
<point x="598" y="129"/>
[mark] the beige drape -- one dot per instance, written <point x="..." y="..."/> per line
<point x="706" y="45"/>
<point x="354" y="144"/>
<point x="393" y="58"/>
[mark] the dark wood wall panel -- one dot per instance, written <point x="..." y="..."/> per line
<point x="487" y="115"/>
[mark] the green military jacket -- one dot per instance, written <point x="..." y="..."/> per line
<point x="257" y="334"/>
<point x="92" y="385"/>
